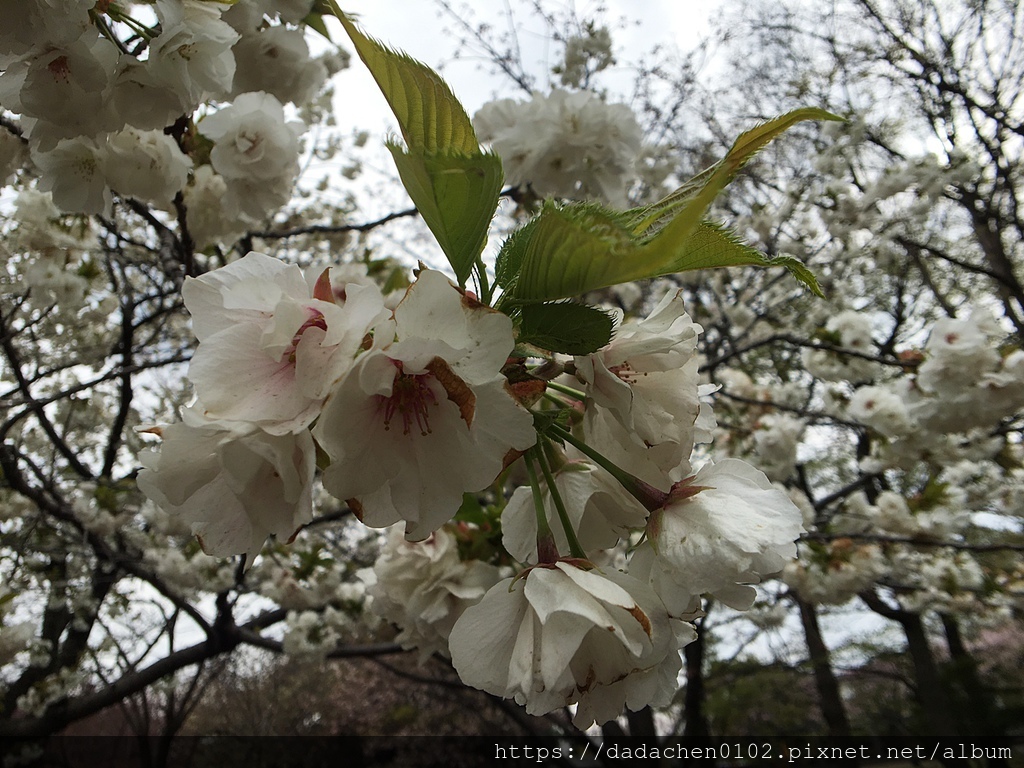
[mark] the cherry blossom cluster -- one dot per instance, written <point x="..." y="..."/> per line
<point x="935" y="426"/>
<point x="565" y="144"/>
<point x="107" y="101"/>
<point x="425" y="413"/>
<point x="408" y="410"/>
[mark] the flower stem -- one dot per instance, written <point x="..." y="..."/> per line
<point x="563" y="516"/>
<point x="573" y="393"/>
<point x="645" y="493"/>
<point x="547" y="550"/>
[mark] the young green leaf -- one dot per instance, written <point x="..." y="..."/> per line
<point x="711" y="245"/>
<point x="572" y="329"/>
<point x="429" y="115"/>
<point x="450" y="192"/>
<point x="583" y="247"/>
<point x="718" y="176"/>
<point x="509" y="262"/>
<point x="573" y="250"/>
<point x="454" y="185"/>
<point x="315" y="21"/>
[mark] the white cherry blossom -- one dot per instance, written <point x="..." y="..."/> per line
<point x="269" y="351"/>
<point x="599" y="509"/>
<point x="145" y="164"/>
<point x="62" y="92"/>
<point x="73" y="173"/>
<point x="235" y="488"/>
<point x="424" y="587"/>
<point x="724" y="529"/>
<point x="256" y="151"/>
<point x="564" y="144"/>
<point x="424" y="419"/>
<point x="276" y="60"/>
<point x="192" y="54"/>
<point x="645" y="391"/>
<point x="562" y="634"/>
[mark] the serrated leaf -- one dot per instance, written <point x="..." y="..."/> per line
<point x="509" y="262"/>
<point x="576" y="249"/>
<point x="456" y="195"/>
<point x="582" y="248"/>
<point x="691" y="201"/>
<point x="718" y="176"/>
<point x="711" y="245"/>
<point x="429" y="115"/>
<point x="572" y="329"/>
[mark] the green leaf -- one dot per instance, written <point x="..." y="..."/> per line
<point x="711" y="245"/>
<point x="454" y="185"/>
<point x="315" y="21"/>
<point x="572" y="329"/>
<point x="709" y="182"/>
<point x="456" y="195"/>
<point x="471" y="511"/>
<point x="692" y="200"/>
<point x="580" y="248"/>
<point x="430" y="116"/>
<point x="509" y="262"/>
<point x="576" y="249"/>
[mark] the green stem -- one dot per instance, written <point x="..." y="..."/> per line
<point x="547" y="550"/>
<point x="574" y="393"/>
<point x="645" y="493"/>
<point x="557" y="401"/>
<point x="137" y="26"/>
<point x="563" y="516"/>
<point x="486" y="291"/>
<point x="106" y="31"/>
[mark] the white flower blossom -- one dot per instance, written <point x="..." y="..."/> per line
<point x="600" y="511"/>
<point x="424" y="419"/>
<point x="235" y="488"/>
<point x="276" y="60"/>
<point x="645" y="395"/>
<point x="192" y="54"/>
<point x="561" y="635"/>
<point x="424" y="587"/>
<point x="256" y="152"/>
<point x="733" y="531"/>
<point x="147" y="165"/>
<point x="269" y="351"/>
<point x="73" y="173"/>
<point x="565" y="145"/>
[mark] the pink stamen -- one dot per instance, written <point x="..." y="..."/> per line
<point x="626" y="373"/>
<point x="411" y="398"/>
<point x="60" y="68"/>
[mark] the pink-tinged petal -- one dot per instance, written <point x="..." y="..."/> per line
<point x="424" y="416"/>
<point x="236" y="380"/>
<point x="269" y="352"/>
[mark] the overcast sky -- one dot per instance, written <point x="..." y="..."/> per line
<point x="425" y="32"/>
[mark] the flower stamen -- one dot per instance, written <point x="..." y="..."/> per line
<point x="411" y="398"/>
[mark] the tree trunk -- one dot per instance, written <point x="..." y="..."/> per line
<point x="932" y="698"/>
<point x="832" y="708"/>
<point x="696" y="732"/>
